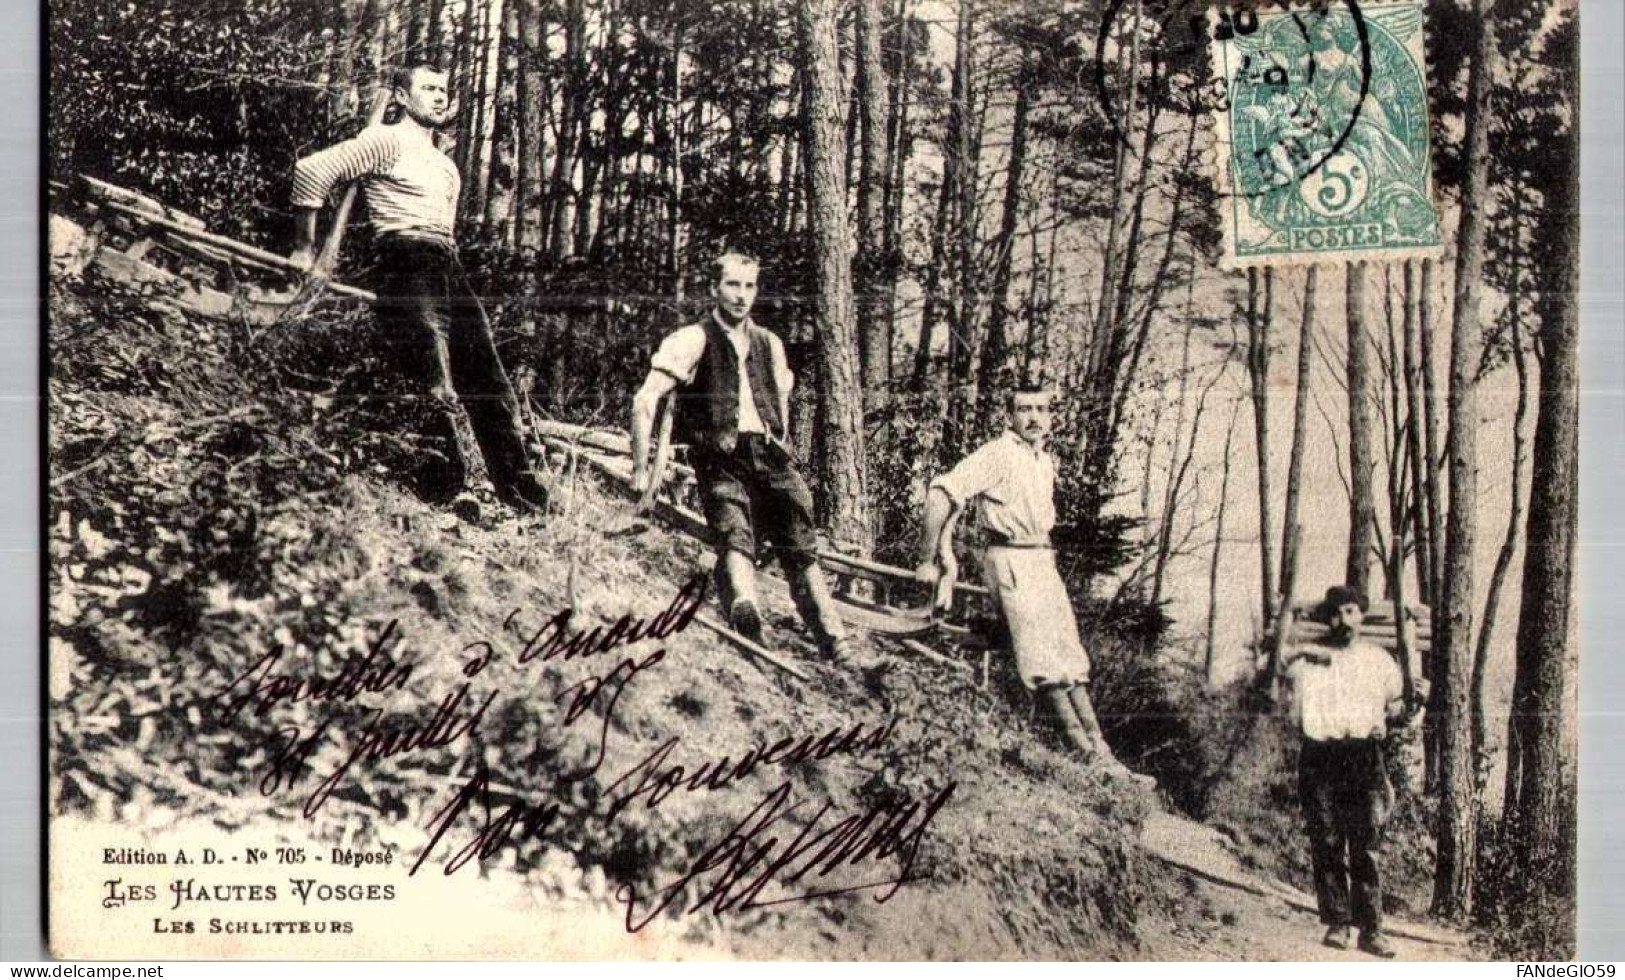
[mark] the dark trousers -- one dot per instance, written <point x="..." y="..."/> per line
<point x="754" y="496"/>
<point x="1341" y="784"/>
<point x="436" y="335"/>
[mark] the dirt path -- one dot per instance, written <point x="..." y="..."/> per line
<point x="1230" y="913"/>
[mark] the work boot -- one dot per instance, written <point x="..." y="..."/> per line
<point x="1338" y="937"/>
<point x="1077" y="699"/>
<point x="747" y="622"/>
<point x="837" y="650"/>
<point x="1375" y="943"/>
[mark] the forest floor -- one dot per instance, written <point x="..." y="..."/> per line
<point x="219" y="492"/>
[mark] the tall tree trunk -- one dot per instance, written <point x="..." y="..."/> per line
<point x="532" y="51"/>
<point x="1209" y="661"/>
<point x="1258" y="369"/>
<point x="996" y="347"/>
<point x="1362" y="509"/>
<point x="1290" y="538"/>
<point x="947" y="194"/>
<point x="1434" y="455"/>
<point x="1420" y="517"/>
<point x="1509" y="543"/>
<point x="1542" y="752"/>
<point x="842" y="394"/>
<point x="434" y="39"/>
<point x="963" y="318"/>
<point x="477" y="170"/>
<point x="1435" y="539"/>
<point x="561" y="198"/>
<point x="417" y="29"/>
<point x="674" y="229"/>
<point x="1457" y="821"/>
<point x="1178" y="445"/>
<point x="874" y="171"/>
<point x="499" y="199"/>
<point x="900" y="144"/>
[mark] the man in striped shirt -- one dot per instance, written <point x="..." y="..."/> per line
<point x="431" y="323"/>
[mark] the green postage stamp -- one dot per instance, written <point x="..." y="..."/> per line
<point x="1322" y="135"/>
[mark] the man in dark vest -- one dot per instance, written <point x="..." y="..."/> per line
<point x="730" y="384"/>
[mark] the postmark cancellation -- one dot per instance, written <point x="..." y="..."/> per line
<point x="1322" y="135"/>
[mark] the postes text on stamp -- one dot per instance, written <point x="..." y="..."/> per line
<point x="1322" y="138"/>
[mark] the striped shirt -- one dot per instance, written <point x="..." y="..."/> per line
<point x="411" y="186"/>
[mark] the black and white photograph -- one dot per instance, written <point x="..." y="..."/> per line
<point x="812" y="479"/>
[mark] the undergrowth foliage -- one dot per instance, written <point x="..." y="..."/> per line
<point x="223" y="492"/>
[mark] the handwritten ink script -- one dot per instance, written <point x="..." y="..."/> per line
<point x="782" y="850"/>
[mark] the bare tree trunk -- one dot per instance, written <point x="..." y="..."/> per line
<point x="900" y="145"/>
<point x="1457" y="820"/>
<point x="1258" y="369"/>
<point x="477" y="168"/>
<point x="434" y="41"/>
<point x="1210" y="659"/>
<point x="1420" y="517"/>
<point x="1430" y="412"/>
<point x="674" y="229"/>
<point x="1436" y="516"/>
<point x="499" y="199"/>
<point x="874" y="170"/>
<point x="947" y="194"/>
<point x="417" y="24"/>
<point x="1300" y="431"/>
<point x="996" y="348"/>
<point x="841" y="391"/>
<point x="963" y="319"/>
<point x="561" y="198"/>
<point x="1509" y="543"/>
<point x="1540" y="819"/>
<point x="1362" y="510"/>
<point x="531" y="53"/>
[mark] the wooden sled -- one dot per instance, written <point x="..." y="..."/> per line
<point x="130" y="235"/>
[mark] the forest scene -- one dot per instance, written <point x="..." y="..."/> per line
<point x="950" y="200"/>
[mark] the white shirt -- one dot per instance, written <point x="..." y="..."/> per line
<point x="679" y="356"/>
<point x="1347" y="698"/>
<point x="1016" y="482"/>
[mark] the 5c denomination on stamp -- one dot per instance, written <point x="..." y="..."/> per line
<point x="1323" y="139"/>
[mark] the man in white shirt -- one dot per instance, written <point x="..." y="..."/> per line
<point x="1345" y="691"/>
<point x="730" y="383"/>
<point x="1014" y="479"/>
<point x="431" y="324"/>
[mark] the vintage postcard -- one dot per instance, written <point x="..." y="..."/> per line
<point x="833" y="479"/>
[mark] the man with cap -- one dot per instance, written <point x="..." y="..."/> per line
<point x="1014" y="479"/>
<point x="730" y="385"/>
<point x="1345" y="692"/>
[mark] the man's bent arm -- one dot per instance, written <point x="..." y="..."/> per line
<point x="644" y="405"/>
<point x="304" y="236"/>
<point x="940" y="514"/>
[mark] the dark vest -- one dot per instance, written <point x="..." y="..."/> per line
<point x="707" y="408"/>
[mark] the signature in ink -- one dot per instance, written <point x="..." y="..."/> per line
<point x="753" y="854"/>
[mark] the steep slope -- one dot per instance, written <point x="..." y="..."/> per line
<point x="224" y="493"/>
